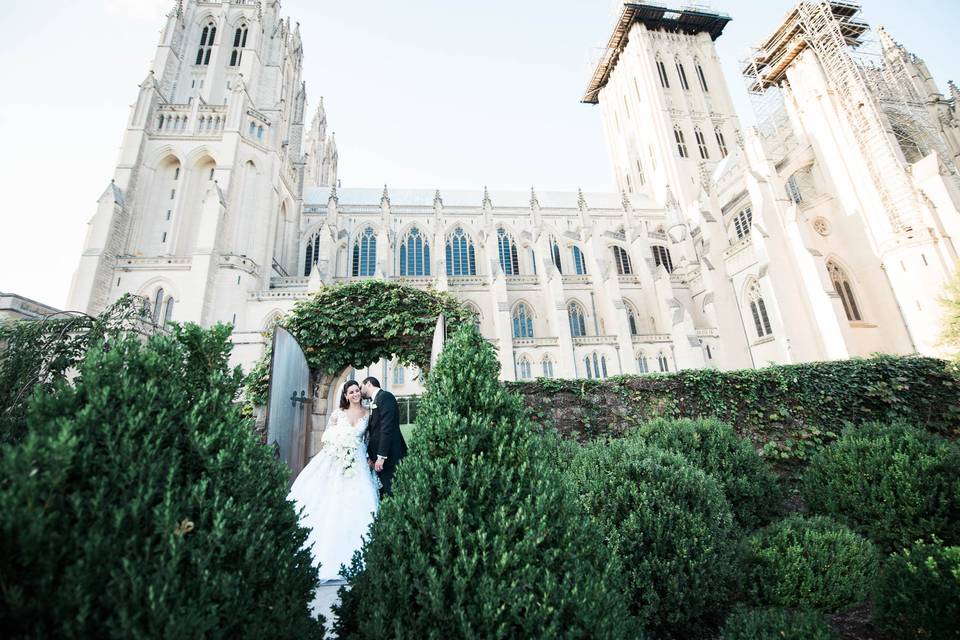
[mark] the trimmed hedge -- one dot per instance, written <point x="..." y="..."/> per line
<point x="482" y="537"/>
<point x="809" y="563"/>
<point x="782" y="624"/>
<point x="670" y="524"/>
<point x="892" y="483"/>
<point x="790" y="406"/>
<point x="918" y="593"/>
<point x="139" y="505"/>
<point x="748" y="482"/>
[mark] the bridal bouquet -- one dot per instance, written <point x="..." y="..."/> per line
<point x="341" y="444"/>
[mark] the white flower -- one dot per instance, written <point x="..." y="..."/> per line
<point x="341" y="445"/>
<point x="372" y="406"/>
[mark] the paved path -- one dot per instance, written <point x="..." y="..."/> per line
<point x="328" y="597"/>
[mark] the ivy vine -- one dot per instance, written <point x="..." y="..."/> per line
<point x="359" y="323"/>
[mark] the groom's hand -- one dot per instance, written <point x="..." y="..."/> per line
<point x="378" y="467"/>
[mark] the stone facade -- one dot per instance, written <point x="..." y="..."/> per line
<point x="722" y="249"/>
<point x="14" y="307"/>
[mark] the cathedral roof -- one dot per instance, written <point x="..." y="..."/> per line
<point x="358" y="196"/>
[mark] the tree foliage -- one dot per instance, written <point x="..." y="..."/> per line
<point x="139" y="504"/>
<point x="482" y="537"/>
<point x="36" y="354"/>
<point x="950" y="301"/>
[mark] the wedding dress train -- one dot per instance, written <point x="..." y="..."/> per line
<point x="338" y="495"/>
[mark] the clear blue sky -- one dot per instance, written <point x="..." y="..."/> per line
<point x="421" y="93"/>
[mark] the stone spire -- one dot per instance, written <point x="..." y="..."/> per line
<point x="437" y="199"/>
<point x="385" y="198"/>
<point x="626" y="201"/>
<point x="487" y="202"/>
<point x="534" y="202"/>
<point x="581" y="200"/>
<point x="887" y="43"/>
<point x="954" y="93"/>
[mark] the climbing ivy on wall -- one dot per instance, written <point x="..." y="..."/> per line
<point x="788" y="411"/>
<point x="359" y="323"/>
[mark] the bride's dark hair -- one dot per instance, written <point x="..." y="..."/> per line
<point x="344" y="403"/>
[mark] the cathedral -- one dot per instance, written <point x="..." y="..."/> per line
<point x="826" y="231"/>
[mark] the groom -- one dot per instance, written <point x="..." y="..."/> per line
<point x="385" y="443"/>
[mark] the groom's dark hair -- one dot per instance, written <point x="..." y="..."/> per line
<point x="372" y="381"/>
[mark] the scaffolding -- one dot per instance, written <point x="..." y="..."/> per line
<point x="889" y="120"/>
<point x="823" y="35"/>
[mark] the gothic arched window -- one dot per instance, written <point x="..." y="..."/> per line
<point x="721" y="142"/>
<point x="522" y="321"/>
<point x="157" y="305"/>
<point x="632" y="321"/>
<point x="841" y="284"/>
<point x="758" y="309"/>
<point x="662" y="71"/>
<point x="578" y="324"/>
<point x="168" y="313"/>
<point x="507" y="250"/>
<point x="313" y="254"/>
<point x="525" y="368"/>
<point x="579" y="264"/>
<point x="683" y="76"/>
<point x="662" y="361"/>
<point x="461" y="256"/>
<point x="701" y="77"/>
<point x="239" y="42"/>
<point x="642" y="364"/>
<point x="742" y="222"/>
<point x="207" y="37"/>
<point x="414" y="254"/>
<point x="555" y="254"/>
<point x="547" y="367"/>
<point x="681" y="141"/>
<point x="661" y="256"/>
<point x="365" y="254"/>
<point x="701" y="143"/>
<point x="622" y="260"/>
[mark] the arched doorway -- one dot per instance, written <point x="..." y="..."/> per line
<point x="349" y="326"/>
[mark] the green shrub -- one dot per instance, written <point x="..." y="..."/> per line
<point x="670" y="523"/>
<point x="780" y="624"/>
<point x="748" y="482"/>
<point x="892" y="483"/>
<point x="482" y="537"/>
<point x="918" y="593"/>
<point x="140" y="506"/>
<point x="809" y="563"/>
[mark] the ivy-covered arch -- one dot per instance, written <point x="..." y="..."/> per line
<point x="355" y="325"/>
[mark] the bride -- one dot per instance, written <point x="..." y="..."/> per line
<point x="337" y="491"/>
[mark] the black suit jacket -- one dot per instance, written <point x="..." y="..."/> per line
<point x="384" y="435"/>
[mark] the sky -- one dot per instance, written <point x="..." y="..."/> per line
<point x="421" y="94"/>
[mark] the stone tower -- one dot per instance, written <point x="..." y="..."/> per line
<point x="205" y="201"/>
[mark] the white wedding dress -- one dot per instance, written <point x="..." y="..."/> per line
<point x="338" y="495"/>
